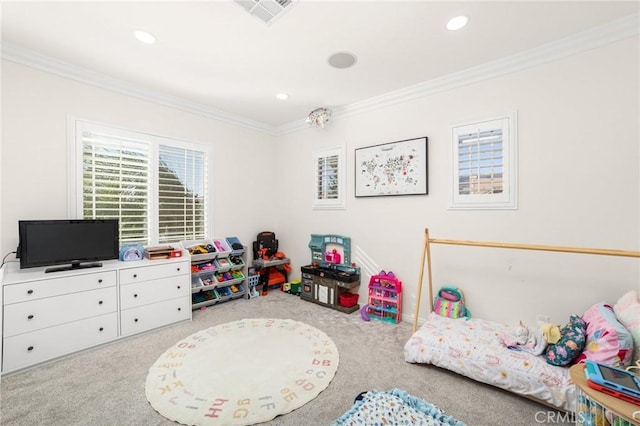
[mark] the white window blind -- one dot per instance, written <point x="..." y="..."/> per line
<point x="182" y="204"/>
<point x="484" y="164"/>
<point x="156" y="187"/>
<point x="115" y="183"/>
<point x="329" y="179"/>
<point x="480" y="162"/>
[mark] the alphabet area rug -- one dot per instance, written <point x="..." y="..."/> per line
<point x="242" y="372"/>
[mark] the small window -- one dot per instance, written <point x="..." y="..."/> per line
<point x="329" y="179"/>
<point x="484" y="162"/>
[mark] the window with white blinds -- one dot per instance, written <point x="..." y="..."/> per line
<point x="484" y="164"/>
<point x="156" y="187"/>
<point x="480" y="162"/>
<point x="329" y="179"/>
<point x="115" y="183"/>
<point x="182" y="203"/>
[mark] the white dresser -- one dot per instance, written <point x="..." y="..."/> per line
<point x="154" y="295"/>
<point x="48" y="315"/>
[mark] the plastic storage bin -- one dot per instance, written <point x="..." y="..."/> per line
<point x="347" y="299"/>
<point x="201" y="254"/>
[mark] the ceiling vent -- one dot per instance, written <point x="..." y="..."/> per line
<point x="266" y="10"/>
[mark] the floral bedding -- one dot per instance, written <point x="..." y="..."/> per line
<point x="472" y="347"/>
<point x="396" y="407"/>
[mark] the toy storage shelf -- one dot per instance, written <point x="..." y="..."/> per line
<point x="385" y="299"/>
<point x="265" y="271"/>
<point x="217" y="271"/>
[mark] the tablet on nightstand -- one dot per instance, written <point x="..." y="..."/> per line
<point x="612" y="380"/>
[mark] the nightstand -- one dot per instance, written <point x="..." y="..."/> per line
<point x="593" y="405"/>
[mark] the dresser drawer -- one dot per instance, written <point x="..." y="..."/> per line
<point x="153" y="272"/>
<point x="32" y="290"/>
<point x="37" y="314"/>
<point x="42" y="345"/>
<point x="147" y="317"/>
<point x="145" y="293"/>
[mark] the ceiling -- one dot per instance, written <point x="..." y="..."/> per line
<point x="215" y="55"/>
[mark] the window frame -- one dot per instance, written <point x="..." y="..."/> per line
<point x="75" y="206"/>
<point x="505" y="200"/>
<point x="338" y="203"/>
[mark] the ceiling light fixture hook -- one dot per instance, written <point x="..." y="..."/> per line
<point x="319" y="117"/>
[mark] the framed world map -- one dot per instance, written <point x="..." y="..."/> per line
<point x="394" y="168"/>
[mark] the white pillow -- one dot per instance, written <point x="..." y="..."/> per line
<point x="627" y="309"/>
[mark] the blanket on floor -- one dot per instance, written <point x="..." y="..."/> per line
<point x="395" y="407"/>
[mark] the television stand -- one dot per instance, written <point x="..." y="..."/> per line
<point x="74" y="266"/>
<point x="47" y="316"/>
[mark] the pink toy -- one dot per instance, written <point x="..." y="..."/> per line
<point x="333" y="257"/>
<point x="449" y="296"/>
<point x="385" y="298"/>
<point x="219" y="245"/>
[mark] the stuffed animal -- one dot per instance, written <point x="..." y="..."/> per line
<point x="551" y="333"/>
<point x="518" y="335"/>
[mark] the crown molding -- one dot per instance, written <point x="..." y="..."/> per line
<point x="577" y="43"/>
<point x="45" y="63"/>
<point x="559" y="49"/>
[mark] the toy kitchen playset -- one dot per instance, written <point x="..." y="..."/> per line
<point x="331" y="276"/>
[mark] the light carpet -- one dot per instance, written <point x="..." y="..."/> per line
<point x="242" y="372"/>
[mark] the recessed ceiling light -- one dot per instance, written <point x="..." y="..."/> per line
<point x="342" y="60"/>
<point x="144" y="37"/>
<point x="456" y="23"/>
<point x="282" y="96"/>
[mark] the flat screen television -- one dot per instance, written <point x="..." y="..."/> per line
<point x="74" y="243"/>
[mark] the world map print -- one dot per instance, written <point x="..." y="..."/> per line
<point x="398" y="168"/>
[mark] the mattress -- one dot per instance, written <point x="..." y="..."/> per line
<point x="471" y="347"/>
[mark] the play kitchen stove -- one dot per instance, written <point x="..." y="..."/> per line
<point x="331" y="276"/>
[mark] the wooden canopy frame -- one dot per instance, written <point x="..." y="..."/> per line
<point x="426" y="258"/>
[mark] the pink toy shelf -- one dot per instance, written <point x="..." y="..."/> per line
<point x="385" y="298"/>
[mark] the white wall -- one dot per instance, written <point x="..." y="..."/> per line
<point x="35" y="107"/>
<point x="579" y="181"/>
<point x="579" y="185"/>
